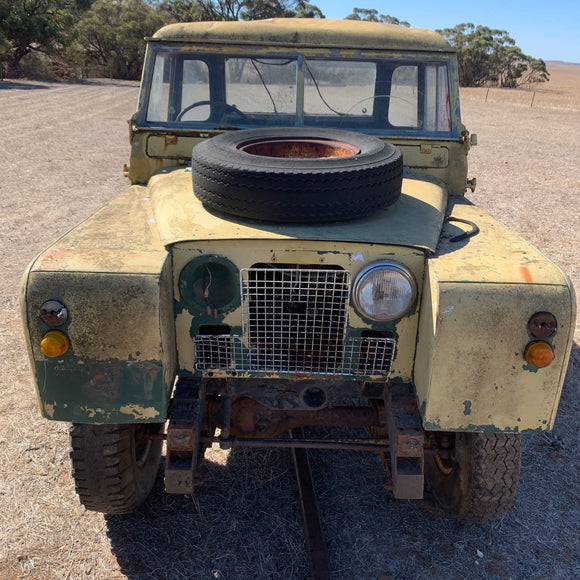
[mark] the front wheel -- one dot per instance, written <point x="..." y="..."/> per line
<point x="477" y="479"/>
<point x="114" y="466"/>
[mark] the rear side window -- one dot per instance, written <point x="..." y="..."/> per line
<point x="413" y="107"/>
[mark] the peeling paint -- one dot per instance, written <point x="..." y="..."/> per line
<point x="467" y="407"/>
<point x="139" y="413"/>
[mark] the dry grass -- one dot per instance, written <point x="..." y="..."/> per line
<point x="561" y="92"/>
<point x="63" y="149"/>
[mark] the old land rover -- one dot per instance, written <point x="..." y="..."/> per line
<point x="296" y="249"/>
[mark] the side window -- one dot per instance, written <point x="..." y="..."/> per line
<point x="420" y="98"/>
<point x="195" y="91"/>
<point x="159" y="95"/>
<point x="437" y="114"/>
<point x="176" y="85"/>
<point x="404" y="100"/>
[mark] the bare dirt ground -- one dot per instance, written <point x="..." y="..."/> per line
<point x="62" y="149"/>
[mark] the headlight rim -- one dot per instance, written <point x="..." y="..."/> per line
<point x="389" y="264"/>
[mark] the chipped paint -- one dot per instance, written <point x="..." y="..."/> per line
<point x="245" y="253"/>
<point x="140" y="413"/>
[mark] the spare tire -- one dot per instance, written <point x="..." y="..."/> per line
<point x="297" y="174"/>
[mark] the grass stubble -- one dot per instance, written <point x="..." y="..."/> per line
<point x="63" y="149"/>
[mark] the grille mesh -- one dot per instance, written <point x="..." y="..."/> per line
<point x="361" y="357"/>
<point x="295" y="321"/>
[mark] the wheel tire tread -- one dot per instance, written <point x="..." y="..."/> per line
<point x="106" y="477"/>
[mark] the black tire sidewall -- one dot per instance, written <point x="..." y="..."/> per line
<point x="231" y="181"/>
<point x="222" y="151"/>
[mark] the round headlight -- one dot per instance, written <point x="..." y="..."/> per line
<point x="384" y="291"/>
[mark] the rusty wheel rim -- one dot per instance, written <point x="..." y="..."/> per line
<point x="298" y="148"/>
<point x="143" y="444"/>
<point x="445" y="466"/>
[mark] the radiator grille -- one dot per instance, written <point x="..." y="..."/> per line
<point x="295" y="321"/>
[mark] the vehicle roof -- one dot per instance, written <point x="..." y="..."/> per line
<point x="307" y="32"/>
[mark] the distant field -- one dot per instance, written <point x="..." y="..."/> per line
<point x="560" y="92"/>
<point x="63" y="148"/>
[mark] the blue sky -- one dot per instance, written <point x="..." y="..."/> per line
<point x="548" y="30"/>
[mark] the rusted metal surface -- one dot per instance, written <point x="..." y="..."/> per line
<point x="542" y="325"/>
<point x="314" y="535"/>
<point x="330" y="444"/>
<point x="406" y="442"/>
<point x="249" y="419"/>
<point x="53" y="313"/>
<point x="183" y="436"/>
<point x="299" y="148"/>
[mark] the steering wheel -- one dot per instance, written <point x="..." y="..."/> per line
<point x="218" y="104"/>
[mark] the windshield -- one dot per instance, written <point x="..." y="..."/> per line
<point x="213" y="91"/>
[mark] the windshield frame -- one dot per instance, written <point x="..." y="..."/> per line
<point x="384" y="59"/>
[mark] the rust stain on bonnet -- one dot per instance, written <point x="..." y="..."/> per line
<point x="526" y="275"/>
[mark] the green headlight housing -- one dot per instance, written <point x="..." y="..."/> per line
<point x="210" y="284"/>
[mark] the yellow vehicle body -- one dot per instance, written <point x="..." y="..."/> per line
<point x="462" y="347"/>
<point x="164" y="308"/>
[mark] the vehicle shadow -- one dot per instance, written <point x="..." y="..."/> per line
<point x="244" y="522"/>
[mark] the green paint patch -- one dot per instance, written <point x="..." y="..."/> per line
<point x="467" y="407"/>
<point x="530" y="368"/>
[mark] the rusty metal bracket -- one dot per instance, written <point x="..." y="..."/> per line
<point x="406" y="442"/>
<point x="183" y="435"/>
<point x="333" y="444"/>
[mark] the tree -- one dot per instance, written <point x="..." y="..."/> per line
<point x="112" y="34"/>
<point x="5" y="44"/>
<point x="491" y="56"/>
<point x="305" y="10"/>
<point x="34" y="25"/>
<point x="372" y="15"/>
<point x="261" y="9"/>
<point x="200" y="10"/>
